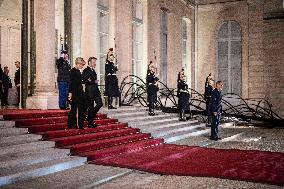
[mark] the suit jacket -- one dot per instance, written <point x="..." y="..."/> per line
<point x="17" y="77"/>
<point x="215" y="101"/>
<point x="75" y="85"/>
<point x="89" y="76"/>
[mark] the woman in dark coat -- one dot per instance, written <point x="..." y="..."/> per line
<point x="183" y="96"/>
<point x="152" y="89"/>
<point x="111" y="81"/>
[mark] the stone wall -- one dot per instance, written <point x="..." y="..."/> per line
<point x="209" y="19"/>
<point x="177" y="10"/>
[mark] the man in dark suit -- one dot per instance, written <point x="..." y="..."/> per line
<point x="93" y="94"/>
<point x="6" y="84"/>
<point x="17" y="80"/>
<point x="215" y="108"/>
<point x="63" y="78"/>
<point x="77" y="96"/>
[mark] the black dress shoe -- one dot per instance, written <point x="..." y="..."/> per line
<point x="92" y="125"/>
<point x="213" y="138"/>
<point x="111" y="107"/>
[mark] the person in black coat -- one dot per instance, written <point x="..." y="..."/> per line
<point x="111" y="81"/>
<point x="92" y="91"/>
<point x="215" y="108"/>
<point x="6" y="85"/>
<point x="77" y="96"/>
<point x="63" y="78"/>
<point x="152" y="89"/>
<point x="207" y="95"/>
<point x="183" y="96"/>
<point x="1" y="82"/>
<point x="17" y="81"/>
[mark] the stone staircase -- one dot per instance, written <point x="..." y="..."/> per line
<point x="28" y="162"/>
<point x="162" y="125"/>
<point x="24" y="156"/>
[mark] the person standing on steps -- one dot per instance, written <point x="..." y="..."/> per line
<point x="183" y="96"/>
<point x="152" y="89"/>
<point x="7" y="84"/>
<point x="111" y="81"/>
<point x="215" y="108"/>
<point x="207" y="95"/>
<point x="77" y="96"/>
<point x="93" y="94"/>
<point x="63" y="78"/>
<point x="17" y="80"/>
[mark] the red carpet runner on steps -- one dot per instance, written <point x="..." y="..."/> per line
<point x="115" y="144"/>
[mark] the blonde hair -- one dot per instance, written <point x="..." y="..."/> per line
<point x="80" y="60"/>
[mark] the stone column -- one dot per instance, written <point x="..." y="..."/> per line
<point x="76" y="27"/>
<point x="89" y="29"/>
<point x="45" y="97"/>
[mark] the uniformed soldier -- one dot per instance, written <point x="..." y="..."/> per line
<point x="215" y="108"/>
<point x="6" y="85"/>
<point x="152" y="89"/>
<point x="183" y="95"/>
<point x="90" y="80"/>
<point x="111" y="81"/>
<point x="63" y="78"/>
<point x="17" y="81"/>
<point x="207" y="95"/>
<point x="77" y="96"/>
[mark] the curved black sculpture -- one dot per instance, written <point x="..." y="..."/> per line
<point x="133" y="90"/>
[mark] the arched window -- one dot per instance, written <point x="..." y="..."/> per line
<point x="229" y="59"/>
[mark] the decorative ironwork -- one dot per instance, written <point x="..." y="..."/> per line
<point x="133" y="91"/>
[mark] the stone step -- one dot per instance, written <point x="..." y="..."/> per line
<point x="38" y="152"/>
<point x="11" y="131"/>
<point x="40" y="169"/>
<point x="151" y="123"/>
<point x="169" y="126"/>
<point x="19" y="139"/>
<point x="85" y="176"/>
<point x="142" y="119"/>
<point x="124" y="109"/>
<point x="34" y="158"/>
<point x="5" y="124"/>
<point x="171" y="138"/>
<point x="175" y="129"/>
<point x="128" y="114"/>
<point x="32" y="146"/>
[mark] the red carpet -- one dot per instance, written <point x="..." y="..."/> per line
<point x="248" y="165"/>
<point x="115" y="144"/>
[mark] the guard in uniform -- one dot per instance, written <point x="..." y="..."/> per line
<point x="152" y="89"/>
<point x="207" y="95"/>
<point x="17" y="81"/>
<point x="215" y="108"/>
<point x="63" y="78"/>
<point x="92" y="91"/>
<point x="111" y="81"/>
<point x="183" y="96"/>
<point x="6" y="84"/>
<point x="77" y="96"/>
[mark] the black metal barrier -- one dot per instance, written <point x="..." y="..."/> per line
<point x="133" y="91"/>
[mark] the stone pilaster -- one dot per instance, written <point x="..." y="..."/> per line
<point x="89" y="29"/>
<point x="45" y="97"/>
<point x="76" y="27"/>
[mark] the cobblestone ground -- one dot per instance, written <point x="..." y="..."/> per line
<point x="240" y="137"/>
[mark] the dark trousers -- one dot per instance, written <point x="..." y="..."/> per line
<point x="5" y="96"/>
<point x="19" y="95"/>
<point x="214" y="125"/>
<point x="77" y="105"/>
<point x="63" y="88"/>
<point x="93" y="110"/>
